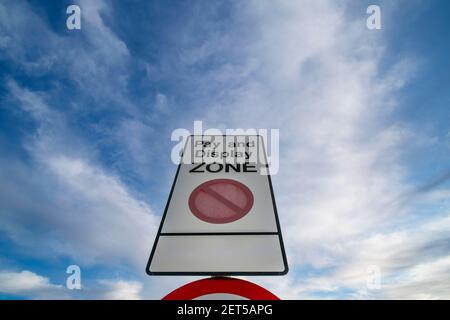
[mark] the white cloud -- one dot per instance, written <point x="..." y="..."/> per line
<point x="121" y="290"/>
<point x="99" y="64"/>
<point x="89" y="214"/>
<point x="93" y="58"/>
<point x="422" y="281"/>
<point x="100" y="211"/>
<point x="161" y="103"/>
<point x="413" y="264"/>
<point x="29" y="284"/>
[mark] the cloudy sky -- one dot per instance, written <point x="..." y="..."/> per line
<point x="86" y="117"/>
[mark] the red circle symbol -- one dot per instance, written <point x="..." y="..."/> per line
<point x="209" y="286"/>
<point x="221" y="201"/>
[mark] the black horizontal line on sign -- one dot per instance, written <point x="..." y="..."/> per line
<point x="218" y="273"/>
<point x="218" y="233"/>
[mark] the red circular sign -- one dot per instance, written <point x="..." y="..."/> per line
<point x="221" y="201"/>
<point x="211" y="286"/>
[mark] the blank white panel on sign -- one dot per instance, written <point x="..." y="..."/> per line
<point x="210" y="253"/>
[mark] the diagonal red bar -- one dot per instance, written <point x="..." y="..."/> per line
<point x="223" y="200"/>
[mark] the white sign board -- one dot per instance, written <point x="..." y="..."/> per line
<point x="221" y="217"/>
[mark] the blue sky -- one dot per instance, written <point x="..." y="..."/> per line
<point x="86" y="117"/>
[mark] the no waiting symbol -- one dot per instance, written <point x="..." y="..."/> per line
<point x="221" y="201"/>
